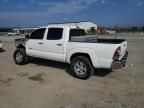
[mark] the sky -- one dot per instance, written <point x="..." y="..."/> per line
<point x="31" y="13"/>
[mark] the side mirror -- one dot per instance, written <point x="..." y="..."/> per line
<point x="27" y="36"/>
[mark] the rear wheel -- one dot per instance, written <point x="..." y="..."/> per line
<point x="20" y="57"/>
<point x="81" y="67"/>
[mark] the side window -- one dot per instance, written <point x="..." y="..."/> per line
<point x="38" y="34"/>
<point x="77" y="32"/>
<point x="54" y="33"/>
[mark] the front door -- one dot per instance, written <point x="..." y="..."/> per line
<point x="35" y="45"/>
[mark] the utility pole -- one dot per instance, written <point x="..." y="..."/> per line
<point x="116" y="29"/>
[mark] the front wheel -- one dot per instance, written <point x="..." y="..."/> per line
<point x="81" y="67"/>
<point x="20" y="57"/>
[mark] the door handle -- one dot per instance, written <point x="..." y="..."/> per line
<point x="40" y="43"/>
<point x="59" y="44"/>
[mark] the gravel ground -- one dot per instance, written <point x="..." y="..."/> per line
<point x="48" y="84"/>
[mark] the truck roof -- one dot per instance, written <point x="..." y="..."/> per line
<point x="59" y="26"/>
<point x="62" y="26"/>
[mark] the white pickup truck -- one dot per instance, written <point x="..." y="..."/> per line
<point x="71" y="45"/>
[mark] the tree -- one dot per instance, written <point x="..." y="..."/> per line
<point x="142" y="28"/>
<point x="134" y="29"/>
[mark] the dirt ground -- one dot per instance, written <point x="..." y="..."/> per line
<point x="48" y="84"/>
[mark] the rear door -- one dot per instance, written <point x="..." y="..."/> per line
<point x="35" y="45"/>
<point x="54" y="44"/>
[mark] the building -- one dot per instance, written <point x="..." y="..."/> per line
<point x="111" y="31"/>
<point x="24" y="30"/>
<point x="85" y="25"/>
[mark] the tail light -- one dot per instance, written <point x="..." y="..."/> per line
<point x="116" y="55"/>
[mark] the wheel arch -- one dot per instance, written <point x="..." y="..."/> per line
<point x="89" y="53"/>
<point x="81" y="54"/>
<point x="20" y="46"/>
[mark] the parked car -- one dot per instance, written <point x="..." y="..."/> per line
<point x="71" y="45"/>
<point x="12" y="34"/>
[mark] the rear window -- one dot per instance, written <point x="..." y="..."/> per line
<point x="77" y="32"/>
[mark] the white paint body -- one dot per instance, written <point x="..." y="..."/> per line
<point x="100" y="54"/>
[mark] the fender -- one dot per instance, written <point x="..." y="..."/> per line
<point x="88" y="51"/>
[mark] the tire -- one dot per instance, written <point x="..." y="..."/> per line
<point x="81" y="67"/>
<point x="20" y="57"/>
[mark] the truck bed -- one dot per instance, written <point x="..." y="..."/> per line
<point x="94" y="39"/>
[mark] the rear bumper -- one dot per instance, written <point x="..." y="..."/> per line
<point x="117" y="64"/>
